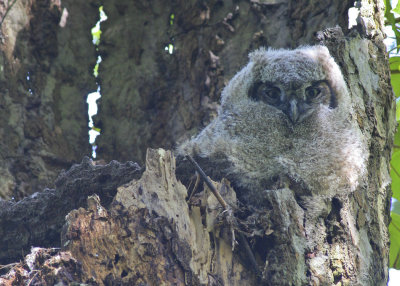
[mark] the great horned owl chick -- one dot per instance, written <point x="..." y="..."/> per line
<point x="287" y="114"/>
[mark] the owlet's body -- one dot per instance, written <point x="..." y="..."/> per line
<point x="288" y="116"/>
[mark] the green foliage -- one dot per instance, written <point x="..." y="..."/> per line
<point x="96" y="129"/>
<point x="391" y="20"/>
<point x="96" y="31"/>
<point x="96" y="34"/>
<point x="96" y="70"/>
<point x="394" y="227"/>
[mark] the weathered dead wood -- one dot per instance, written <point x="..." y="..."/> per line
<point x="44" y="266"/>
<point x="151" y="235"/>
<point x="37" y="220"/>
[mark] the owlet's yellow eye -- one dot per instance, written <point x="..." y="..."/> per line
<point x="266" y="92"/>
<point x="312" y="92"/>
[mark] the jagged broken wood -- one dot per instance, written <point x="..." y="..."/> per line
<point x="37" y="220"/>
<point x="150" y="235"/>
<point x="228" y="209"/>
<point x="149" y="228"/>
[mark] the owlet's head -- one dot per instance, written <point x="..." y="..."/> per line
<point x="295" y="82"/>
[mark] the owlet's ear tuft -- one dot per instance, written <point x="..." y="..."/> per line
<point x="256" y="55"/>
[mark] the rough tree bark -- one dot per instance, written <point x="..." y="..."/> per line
<point x="149" y="234"/>
<point x="44" y="79"/>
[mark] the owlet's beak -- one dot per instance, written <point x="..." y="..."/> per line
<point x="293" y="111"/>
<point x="297" y="111"/>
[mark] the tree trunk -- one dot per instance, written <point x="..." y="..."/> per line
<point x="44" y="78"/>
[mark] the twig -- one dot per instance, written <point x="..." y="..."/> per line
<point x="8" y="265"/>
<point x="8" y="10"/>
<point x="33" y="277"/>
<point x="208" y="182"/>
<point x="196" y="185"/>
<point x="249" y="253"/>
<point x="228" y="209"/>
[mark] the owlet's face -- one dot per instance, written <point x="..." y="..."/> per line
<point x="297" y="100"/>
